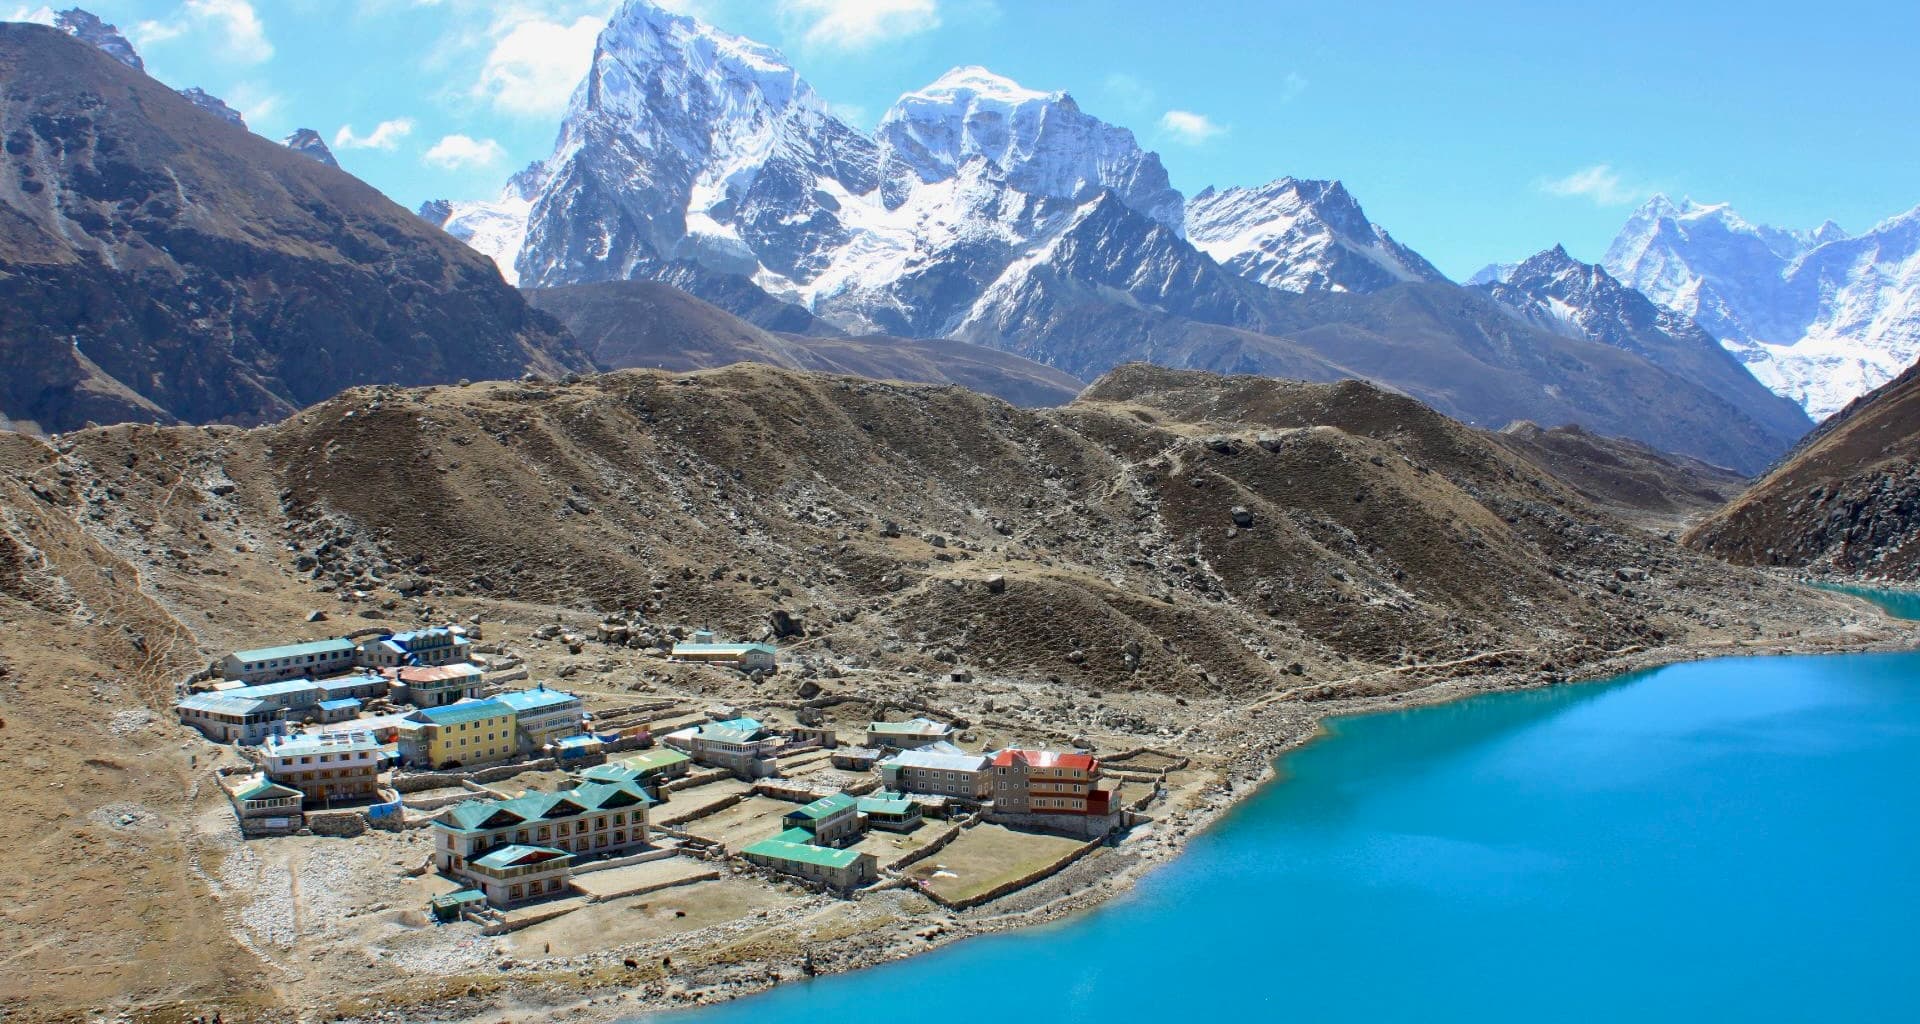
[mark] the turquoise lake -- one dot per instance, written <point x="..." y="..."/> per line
<point x="1733" y="840"/>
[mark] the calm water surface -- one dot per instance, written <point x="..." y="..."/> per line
<point x="1732" y="840"/>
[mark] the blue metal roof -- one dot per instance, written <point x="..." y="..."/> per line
<point x="222" y="704"/>
<point x="264" y="690"/>
<point x="466" y="711"/>
<point x="343" y="704"/>
<point x="535" y="699"/>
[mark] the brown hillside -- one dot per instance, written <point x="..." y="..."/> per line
<point x="1155" y="564"/>
<point x="1847" y="500"/>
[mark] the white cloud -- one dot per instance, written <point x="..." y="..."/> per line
<point x="852" y="113"/>
<point x="1129" y="91"/>
<point x="535" y="64"/>
<point x="1599" y="183"/>
<point x="385" y="135"/>
<point x="36" y="15"/>
<point x="239" y="33"/>
<point x="859" y="24"/>
<point x="458" y="152"/>
<point x="254" y="101"/>
<point x="1189" y="127"/>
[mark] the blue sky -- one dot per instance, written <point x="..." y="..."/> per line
<point x="1474" y="132"/>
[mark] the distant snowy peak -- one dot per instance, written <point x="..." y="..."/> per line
<point x="1493" y="273"/>
<point x="1041" y="142"/>
<point x="88" y="28"/>
<point x="308" y="143"/>
<point x="1301" y="236"/>
<point x="1819" y="316"/>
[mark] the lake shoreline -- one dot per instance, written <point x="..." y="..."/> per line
<point x="597" y="988"/>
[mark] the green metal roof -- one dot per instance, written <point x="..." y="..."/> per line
<point x="885" y="805"/>
<point x="532" y="808"/>
<point x="796" y="835"/>
<point x="655" y="760"/>
<point x="263" y="788"/>
<point x="823" y="807"/>
<point x="336" y="645"/>
<point x="458" y="897"/>
<point x="802" y="853"/>
<point x="610" y="772"/>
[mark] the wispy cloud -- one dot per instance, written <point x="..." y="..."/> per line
<point x="385" y="135"/>
<point x="859" y="24"/>
<point x="1292" y="84"/>
<point x="255" y="102"/>
<point x="459" y="152"/>
<point x="38" y="15"/>
<point x="234" y="25"/>
<point x="534" y="64"/>
<point x="1189" y="127"/>
<point x="1129" y="91"/>
<point x="1600" y="184"/>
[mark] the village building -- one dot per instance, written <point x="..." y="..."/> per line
<point x="650" y="769"/>
<point x="362" y="686"/>
<point x="828" y="820"/>
<point x="941" y="769"/>
<point x="543" y="716"/>
<point x="892" y="813"/>
<point x="740" y="745"/>
<point x="908" y="735"/>
<point x="290" y="661"/>
<point x="745" y="657"/>
<point x="290" y="695"/>
<point x="345" y="709"/>
<point x="517" y="874"/>
<point x="325" y="766"/>
<point x="812" y="735"/>
<point x="416" y="648"/>
<point x="595" y="818"/>
<point x="854" y="759"/>
<point x="261" y="798"/>
<point x="385" y="728"/>
<point x="840" y="869"/>
<point x="226" y="719"/>
<point x="470" y="733"/>
<point x="435" y="686"/>
<point x="1047" y="782"/>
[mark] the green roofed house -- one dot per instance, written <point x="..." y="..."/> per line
<point x="291" y="661"/>
<point x="893" y="813"/>
<point x="650" y="769"/>
<point x="514" y="874"/>
<point x="828" y="819"/>
<point x="745" y="657"/>
<point x="840" y="869"/>
<point x="741" y="745"/>
<point x="593" y="818"/>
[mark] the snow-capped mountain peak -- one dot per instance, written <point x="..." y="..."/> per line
<point x="1301" y="235"/>
<point x="308" y="143"/>
<point x="1042" y="142"/>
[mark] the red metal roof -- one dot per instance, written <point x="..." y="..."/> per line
<point x="1045" y="759"/>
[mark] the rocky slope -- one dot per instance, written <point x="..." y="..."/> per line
<point x="1847" y="500"/>
<point x="1653" y="489"/>
<point x="1818" y="316"/>
<point x="162" y="264"/>
<point x="1558" y="293"/>
<point x="643" y="324"/>
<point x="1173" y="554"/>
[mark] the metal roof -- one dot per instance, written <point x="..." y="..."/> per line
<point x="308" y="744"/>
<point x="1046" y="759"/>
<point x="472" y="815"/>
<point x="802" y="853"/>
<point x="300" y="650"/>
<point x="264" y="789"/>
<point x="466" y="711"/>
<point x="826" y="806"/>
<point x="285" y="686"/>
<point x="939" y="760"/>
<point x="342" y="704"/>
<point x="684" y="647"/>
<point x="536" y="699"/>
<point x="223" y="704"/>
<point x="654" y="760"/>
<point x="515" y="854"/>
<point x="352" y="682"/>
<point x="885" y="805"/>
<point x="911" y="727"/>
